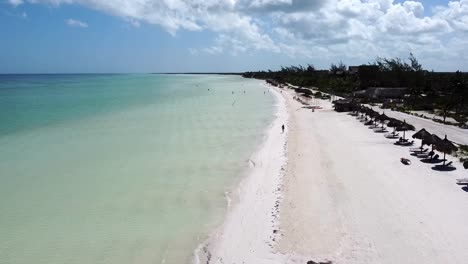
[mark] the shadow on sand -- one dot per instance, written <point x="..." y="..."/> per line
<point x="443" y="168"/>
<point x="380" y="131"/>
<point x="313" y="262"/>
<point x="408" y="144"/>
<point x="432" y="161"/>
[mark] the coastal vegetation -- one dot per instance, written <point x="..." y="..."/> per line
<point x="442" y="95"/>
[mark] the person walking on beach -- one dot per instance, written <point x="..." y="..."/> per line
<point x="282" y="127"/>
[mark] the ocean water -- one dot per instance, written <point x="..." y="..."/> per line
<point x="121" y="168"/>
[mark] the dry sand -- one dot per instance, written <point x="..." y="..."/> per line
<point x="344" y="197"/>
<point x="348" y="199"/>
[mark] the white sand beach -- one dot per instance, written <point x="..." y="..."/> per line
<point x="349" y="199"/>
<point x="248" y="234"/>
<point x="344" y="197"/>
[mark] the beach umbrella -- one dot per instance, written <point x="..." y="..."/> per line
<point x="394" y="123"/>
<point x="374" y="115"/>
<point x="362" y="110"/>
<point x="432" y="140"/>
<point x="371" y="113"/>
<point x="382" y="118"/>
<point x="354" y="107"/>
<point x="403" y="127"/>
<point x="445" y="146"/>
<point x="422" y="134"/>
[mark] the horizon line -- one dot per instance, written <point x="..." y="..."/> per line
<point x="117" y="73"/>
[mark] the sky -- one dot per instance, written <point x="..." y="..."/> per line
<point x="140" y="36"/>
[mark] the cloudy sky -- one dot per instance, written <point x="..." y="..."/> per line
<point x="226" y="35"/>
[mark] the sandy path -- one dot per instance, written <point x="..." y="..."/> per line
<point x="348" y="199"/>
<point x="455" y="134"/>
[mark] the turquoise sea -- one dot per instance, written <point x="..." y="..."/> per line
<point x="121" y="168"/>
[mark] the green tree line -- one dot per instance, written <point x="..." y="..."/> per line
<point x="427" y="90"/>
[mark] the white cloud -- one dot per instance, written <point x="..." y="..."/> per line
<point x="455" y="13"/>
<point x="15" y="2"/>
<point x="355" y="29"/>
<point x="134" y="22"/>
<point x="193" y="52"/>
<point x="213" y="50"/>
<point x="361" y="30"/>
<point x="76" y="23"/>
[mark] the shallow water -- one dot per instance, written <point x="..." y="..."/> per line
<point x="120" y="168"/>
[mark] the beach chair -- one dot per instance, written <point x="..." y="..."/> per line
<point x="463" y="181"/>
<point x="425" y="155"/>
<point x="404" y="143"/>
<point x="380" y="130"/>
<point x="418" y="150"/>
<point x="392" y="136"/>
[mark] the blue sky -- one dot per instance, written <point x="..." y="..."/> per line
<point x="75" y="36"/>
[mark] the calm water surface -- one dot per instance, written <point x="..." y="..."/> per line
<point x="120" y="168"/>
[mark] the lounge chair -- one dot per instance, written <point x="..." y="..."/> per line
<point x="392" y="136"/>
<point x="463" y="181"/>
<point x="425" y="155"/>
<point x="404" y="143"/>
<point x="420" y="152"/>
<point x="415" y="149"/>
<point x="380" y="130"/>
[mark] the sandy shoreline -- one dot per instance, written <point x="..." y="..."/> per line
<point x="343" y="197"/>
<point x="248" y="233"/>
